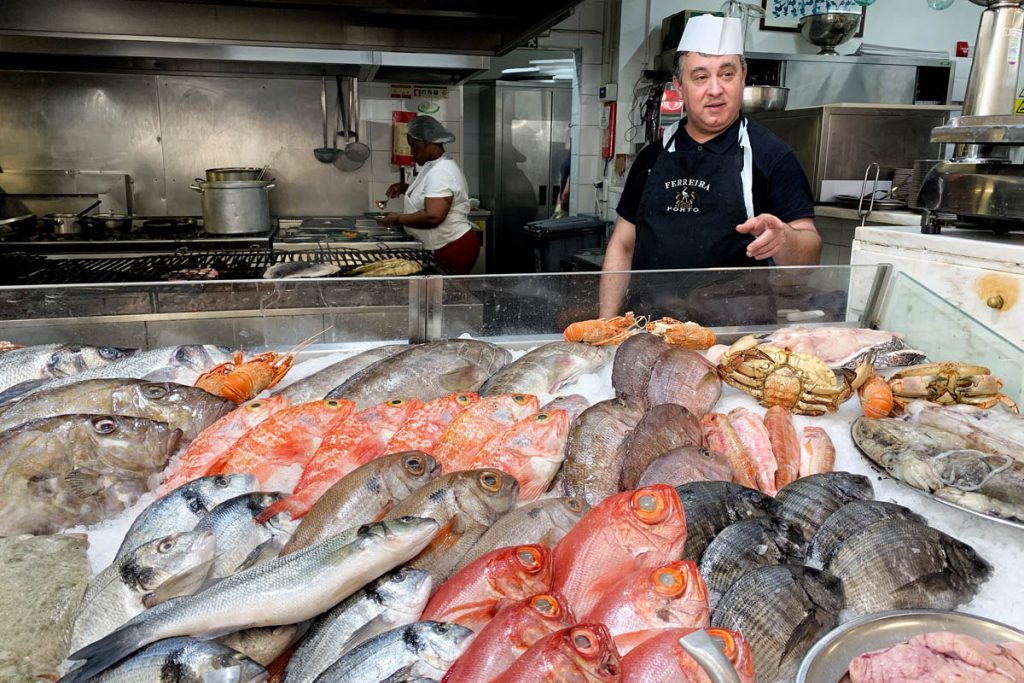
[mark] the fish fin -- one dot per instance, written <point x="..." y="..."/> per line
<point x="384" y="513"/>
<point x="458" y="379"/>
<point x="108" y="651"/>
<point x="183" y="584"/>
<point x="373" y="627"/>
<point x="399" y="675"/>
<point x="446" y="537"/>
<point x="935" y="582"/>
<point x="82" y="483"/>
<point x="267" y="550"/>
<point x="165" y="374"/>
<point x="18" y="390"/>
<point x="802" y="636"/>
<point x="230" y="674"/>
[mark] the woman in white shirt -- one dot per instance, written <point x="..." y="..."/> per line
<point x="437" y="201"/>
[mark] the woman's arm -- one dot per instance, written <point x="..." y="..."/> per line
<point x="435" y="210"/>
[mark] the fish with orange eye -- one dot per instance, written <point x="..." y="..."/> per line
<point x="625" y="532"/>
<point x="584" y="652"/>
<point x="423" y="430"/>
<point x="661" y="659"/>
<point x="509" y="634"/>
<point x="478" y="424"/>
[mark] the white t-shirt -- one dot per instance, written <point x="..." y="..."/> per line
<point x="441" y="177"/>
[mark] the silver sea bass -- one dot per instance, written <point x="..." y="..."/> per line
<point x="24" y="369"/>
<point x="184" y="660"/>
<point x="285" y="590"/>
<point x="239" y="537"/>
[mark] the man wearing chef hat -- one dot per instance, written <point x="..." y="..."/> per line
<point x="717" y="190"/>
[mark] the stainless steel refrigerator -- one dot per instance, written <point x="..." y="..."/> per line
<point x="516" y="138"/>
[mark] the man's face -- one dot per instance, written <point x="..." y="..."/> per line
<point x="711" y="90"/>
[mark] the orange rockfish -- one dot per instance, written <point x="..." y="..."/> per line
<point x="215" y="441"/>
<point x="423" y="430"/>
<point x="754" y="437"/>
<point x="785" y="444"/>
<point x="503" y="576"/>
<point x="477" y="425"/>
<point x="722" y="438"/>
<point x="646" y="601"/>
<point x="662" y="659"/>
<point x="581" y="653"/>
<point x="623" y="533"/>
<point x="531" y="450"/>
<point x="286" y="439"/>
<point x="508" y="635"/>
<point x="351" y="444"/>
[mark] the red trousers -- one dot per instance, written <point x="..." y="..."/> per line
<point x="458" y="257"/>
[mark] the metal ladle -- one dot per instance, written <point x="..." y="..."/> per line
<point x="325" y="154"/>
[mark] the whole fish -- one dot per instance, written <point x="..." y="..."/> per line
<point x="574" y="404"/>
<point x="804" y="606"/>
<point x="188" y="660"/>
<point x="745" y="546"/>
<point x="60" y="472"/>
<point x="808" y="501"/>
<point x="154" y="572"/>
<point x="686" y="464"/>
<point x="641" y="603"/>
<point x="315" y="386"/>
<point x="265" y="644"/>
<point x="993" y="431"/>
<point x="785" y="445"/>
<point x="721" y="437"/>
<point x="477" y="425"/>
<point x="465" y="504"/>
<point x="531" y="450"/>
<point x="597" y="446"/>
<point x="623" y="533"/>
<point x="286" y="590"/>
<point x="297" y="269"/>
<point x="817" y="454"/>
<point x="711" y="506"/>
<point x="901" y="564"/>
<point x="285" y="440"/>
<point x="424" y="428"/>
<point x="182" y="407"/>
<point x="214" y="442"/>
<point x="31" y="366"/>
<point x="473" y="595"/>
<point x="393" y="600"/>
<point x="365" y="495"/>
<point x="542" y="522"/>
<point x="635" y="359"/>
<point x="848" y="520"/>
<point x="844" y="347"/>
<point x="661" y="659"/>
<point x="43" y="579"/>
<point x="181" y="509"/>
<point x="424" y="648"/>
<point x="662" y="428"/>
<point x="345" y="448"/>
<point x="687" y="378"/>
<point x="239" y="535"/>
<point x="584" y="652"/>
<point x="758" y="447"/>
<point x="545" y="369"/>
<point x="425" y="372"/>
<point x="508" y="635"/>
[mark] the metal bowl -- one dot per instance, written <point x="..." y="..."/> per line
<point x="829" y="29"/>
<point x="758" y="98"/>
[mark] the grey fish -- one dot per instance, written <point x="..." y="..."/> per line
<point x="687" y="378"/>
<point x="686" y="464"/>
<point x="663" y="428"/>
<point x="425" y="372"/>
<point x="265" y="644"/>
<point x="154" y="572"/>
<point x="183" y="660"/>
<point x="182" y="407"/>
<point x="848" y="520"/>
<point x="745" y="546"/>
<point x="317" y="385"/>
<point x="180" y="364"/>
<point x="393" y="600"/>
<point x="233" y="523"/>
<point x="596" y="448"/>
<point x="803" y="606"/>
<point x="181" y="509"/>
<point x="711" y="506"/>
<point x="24" y="369"/>
<point x="364" y="495"/>
<point x="943" y="463"/>
<point x="634" y="361"/>
<point x="424" y="648"/>
<point x="64" y="471"/>
<point x="285" y="590"/>
<point x="546" y="368"/>
<point x="465" y="504"/>
<point x="808" y="501"/>
<point x="574" y="404"/>
<point x="43" y="579"/>
<point x="297" y="269"/>
<point x="542" y="522"/>
<point x="902" y="564"/>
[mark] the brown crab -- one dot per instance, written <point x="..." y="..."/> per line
<point x="799" y="382"/>
<point x="947" y="383"/>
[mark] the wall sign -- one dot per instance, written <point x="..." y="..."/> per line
<point x="415" y="92"/>
<point x="785" y="15"/>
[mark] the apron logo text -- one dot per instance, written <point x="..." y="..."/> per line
<point x="685" y="197"/>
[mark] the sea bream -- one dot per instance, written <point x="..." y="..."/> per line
<point x="807" y="502"/>
<point x="59" y="472"/>
<point x="748" y="545"/>
<point x="662" y="428"/>
<point x="711" y="506"/>
<point x="184" y="659"/>
<point x="848" y="520"/>
<point x="241" y="540"/>
<point x="596" y="448"/>
<point x="545" y="369"/>
<point x="29" y="367"/>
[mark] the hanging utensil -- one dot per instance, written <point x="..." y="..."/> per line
<point x="356" y="151"/>
<point x="263" y="171"/>
<point x="325" y="154"/>
<point x="348" y="126"/>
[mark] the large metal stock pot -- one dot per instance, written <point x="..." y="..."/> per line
<point x="235" y="207"/>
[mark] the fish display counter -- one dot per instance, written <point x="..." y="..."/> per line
<point x="477" y="478"/>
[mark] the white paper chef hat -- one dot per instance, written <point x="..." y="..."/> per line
<point x="712" y="35"/>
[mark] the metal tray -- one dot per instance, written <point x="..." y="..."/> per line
<point x="829" y="660"/>
<point x="850" y="201"/>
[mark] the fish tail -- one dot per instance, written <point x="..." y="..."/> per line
<point x="106" y="652"/>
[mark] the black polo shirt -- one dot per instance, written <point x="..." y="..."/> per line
<point x="780" y="186"/>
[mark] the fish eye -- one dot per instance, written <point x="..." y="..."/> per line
<point x="154" y="391"/>
<point x="519" y="398"/>
<point x="332" y="403"/>
<point x="165" y="546"/>
<point x="529" y="558"/>
<point x="649" y="506"/>
<point x="109" y="353"/>
<point x="668" y="581"/>
<point x="543" y="417"/>
<point x="221" y="482"/>
<point x="414" y="464"/>
<point x="546" y="605"/>
<point x="104" y="425"/>
<point x="399" y="576"/>
<point x="407" y="519"/>
<point x="574" y="504"/>
<point x="396" y="402"/>
<point x="583" y="640"/>
<point x="490" y="481"/>
<point x="462" y="398"/>
<point x="254" y="405"/>
<point x="442" y="627"/>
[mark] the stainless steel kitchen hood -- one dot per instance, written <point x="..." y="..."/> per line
<point x="430" y="41"/>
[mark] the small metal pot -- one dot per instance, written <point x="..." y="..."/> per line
<point x="235" y="207"/>
<point x="110" y="222"/>
<point x="65" y="223"/>
<point x="216" y="175"/>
